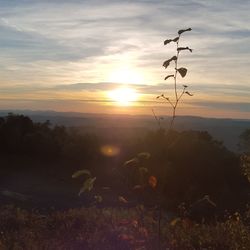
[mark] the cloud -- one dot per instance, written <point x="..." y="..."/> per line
<point x="47" y="45"/>
<point x="233" y="106"/>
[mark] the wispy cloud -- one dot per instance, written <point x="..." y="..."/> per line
<point x="90" y="97"/>
<point x="48" y="45"/>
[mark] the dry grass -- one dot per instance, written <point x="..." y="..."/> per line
<point x="115" y="228"/>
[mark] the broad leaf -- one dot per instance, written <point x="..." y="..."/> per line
<point x="176" y="39"/>
<point x="174" y="58"/>
<point x="167" y="62"/>
<point x="168" y="77"/>
<point x="182" y="71"/>
<point x="81" y="172"/>
<point x="131" y="163"/>
<point x="87" y="185"/>
<point x="182" y="31"/>
<point x="167" y="41"/>
<point x="171" y="40"/>
<point x="188" y="93"/>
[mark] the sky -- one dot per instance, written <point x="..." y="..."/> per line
<point x="75" y="55"/>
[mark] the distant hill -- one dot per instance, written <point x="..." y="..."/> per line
<point x="225" y="130"/>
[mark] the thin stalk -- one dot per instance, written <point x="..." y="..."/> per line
<point x="175" y="85"/>
<point x="168" y="100"/>
<point x="177" y="99"/>
<point x="176" y="66"/>
<point x="157" y="119"/>
<point x="159" y="227"/>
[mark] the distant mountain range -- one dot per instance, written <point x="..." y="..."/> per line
<point x="225" y="130"/>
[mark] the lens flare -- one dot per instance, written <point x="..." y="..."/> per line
<point x="110" y="150"/>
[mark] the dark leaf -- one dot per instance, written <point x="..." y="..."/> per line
<point x="176" y="39"/>
<point x="167" y="41"/>
<point x="87" y="185"/>
<point x="185" y="86"/>
<point x="168" y="77"/>
<point x="182" y="31"/>
<point x="182" y="71"/>
<point x="81" y="172"/>
<point x="174" y="58"/>
<point x="163" y="96"/>
<point x="131" y="163"/>
<point x="166" y="64"/>
<point x="188" y="93"/>
<point x="159" y="96"/>
<point x="184" y="48"/>
<point x="171" y="40"/>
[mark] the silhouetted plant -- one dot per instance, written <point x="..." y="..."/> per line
<point x="177" y="70"/>
<point x="89" y="181"/>
<point x="147" y="179"/>
<point x="88" y="184"/>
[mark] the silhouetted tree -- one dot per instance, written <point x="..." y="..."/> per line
<point x="245" y="140"/>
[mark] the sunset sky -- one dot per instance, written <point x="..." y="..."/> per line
<point x="76" y="55"/>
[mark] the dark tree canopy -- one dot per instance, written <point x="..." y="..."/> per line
<point x="245" y="140"/>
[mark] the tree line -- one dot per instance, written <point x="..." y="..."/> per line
<point x="188" y="164"/>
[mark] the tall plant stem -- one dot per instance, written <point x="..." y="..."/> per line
<point x="159" y="227"/>
<point x="175" y="85"/>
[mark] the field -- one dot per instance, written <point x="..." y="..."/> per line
<point x="117" y="228"/>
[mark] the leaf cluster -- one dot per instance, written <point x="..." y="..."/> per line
<point x="182" y="71"/>
<point x="88" y="183"/>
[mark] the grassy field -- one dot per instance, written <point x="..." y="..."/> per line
<point x="117" y="228"/>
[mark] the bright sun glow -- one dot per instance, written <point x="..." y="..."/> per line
<point x="123" y="96"/>
<point x="125" y="75"/>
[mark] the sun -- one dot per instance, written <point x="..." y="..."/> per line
<point x="123" y="96"/>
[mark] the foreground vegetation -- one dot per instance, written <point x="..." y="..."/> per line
<point x="117" y="228"/>
<point x="147" y="190"/>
